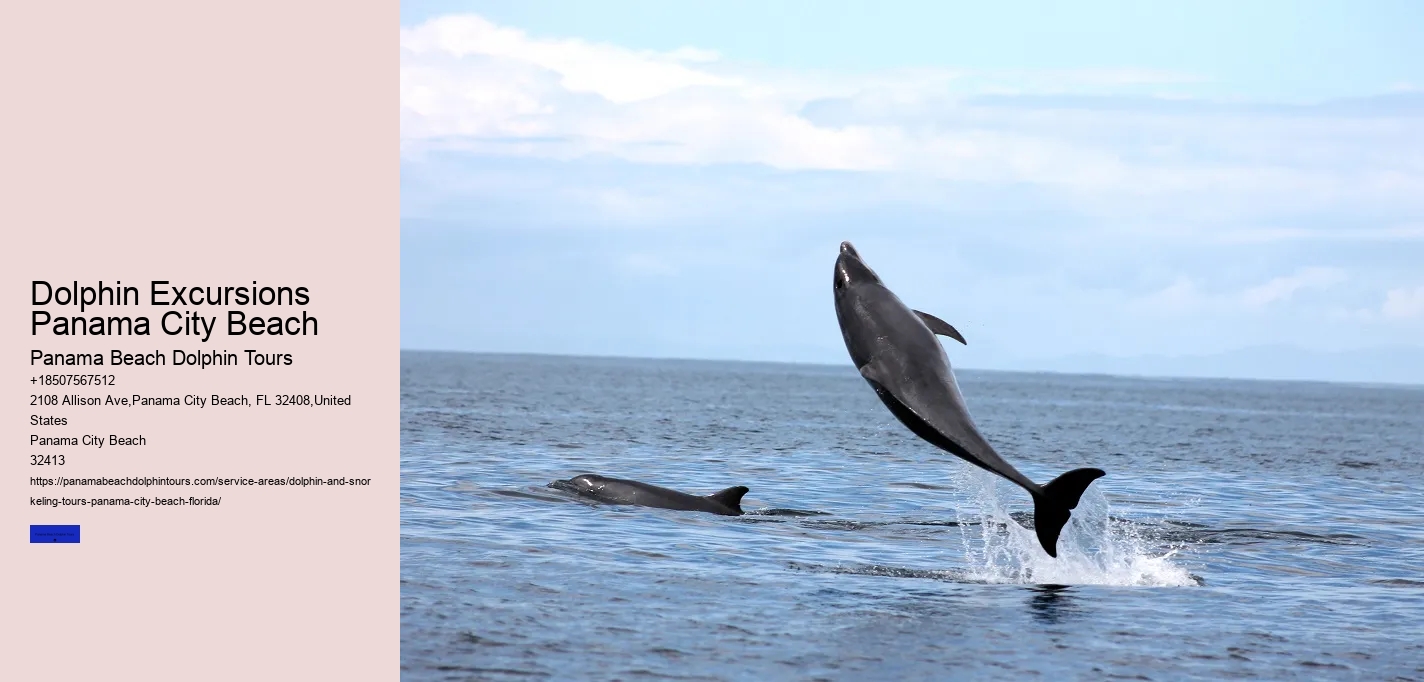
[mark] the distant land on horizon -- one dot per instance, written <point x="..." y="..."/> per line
<point x="1386" y="365"/>
<point x="1399" y="365"/>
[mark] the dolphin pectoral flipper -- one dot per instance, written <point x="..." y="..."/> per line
<point x="731" y="497"/>
<point x="941" y="327"/>
<point x="871" y="373"/>
<point x="1054" y="505"/>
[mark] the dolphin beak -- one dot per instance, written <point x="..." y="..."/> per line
<point x="851" y="269"/>
<point x="844" y="264"/>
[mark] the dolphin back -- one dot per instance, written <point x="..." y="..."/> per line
<point x="624" y="491"/>
<point x="907" y="366"/>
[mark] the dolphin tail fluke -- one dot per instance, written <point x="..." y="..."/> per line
<point x="1054" y="505"/>
<point x="731" y="497"/>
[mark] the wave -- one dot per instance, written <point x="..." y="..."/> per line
<point x="1092" y="550"/>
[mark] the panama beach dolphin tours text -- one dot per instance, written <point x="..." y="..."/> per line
<point x="180" y="358"/>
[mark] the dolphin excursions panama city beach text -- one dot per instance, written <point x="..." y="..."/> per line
<point x="185" y="315"/>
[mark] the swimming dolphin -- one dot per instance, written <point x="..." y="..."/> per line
<point x="622" y="491"/>
<point x="896" y="351"/>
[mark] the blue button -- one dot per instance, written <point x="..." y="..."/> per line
<point x="54" y="534"/>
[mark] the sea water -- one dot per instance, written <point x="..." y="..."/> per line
<point x="1264" y="530"/>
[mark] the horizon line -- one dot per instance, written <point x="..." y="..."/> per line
<point x="1364" y="384"/>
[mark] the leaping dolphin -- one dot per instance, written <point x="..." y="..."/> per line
<point x="622" y="491"/>
<point x="896" y="351"/>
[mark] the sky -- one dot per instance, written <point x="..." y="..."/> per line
<point x="1219" y="189"/>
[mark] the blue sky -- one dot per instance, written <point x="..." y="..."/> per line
<point x="1070" y="184"/>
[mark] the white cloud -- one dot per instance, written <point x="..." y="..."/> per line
<point x="647" y="264"/>
<point x="470" y="85"/>
<point x="614" y="73"/>
<point x="485" y="86"/>
<point x="1185" y="297"/>
<point x="1359" y="233"/>
<point x="1282" y="288"/>
<point x="1404" y="303"/>
<point x="1181" y="296"/>
<point x="694" y="54"/>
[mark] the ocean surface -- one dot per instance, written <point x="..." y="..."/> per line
<point x="1245" y="529"/>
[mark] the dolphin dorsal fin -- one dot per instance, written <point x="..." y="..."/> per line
<point x="941" y="327"/>
<point x="731" y="497"/>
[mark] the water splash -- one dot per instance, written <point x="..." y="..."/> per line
<point x="1092" y="550"/>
